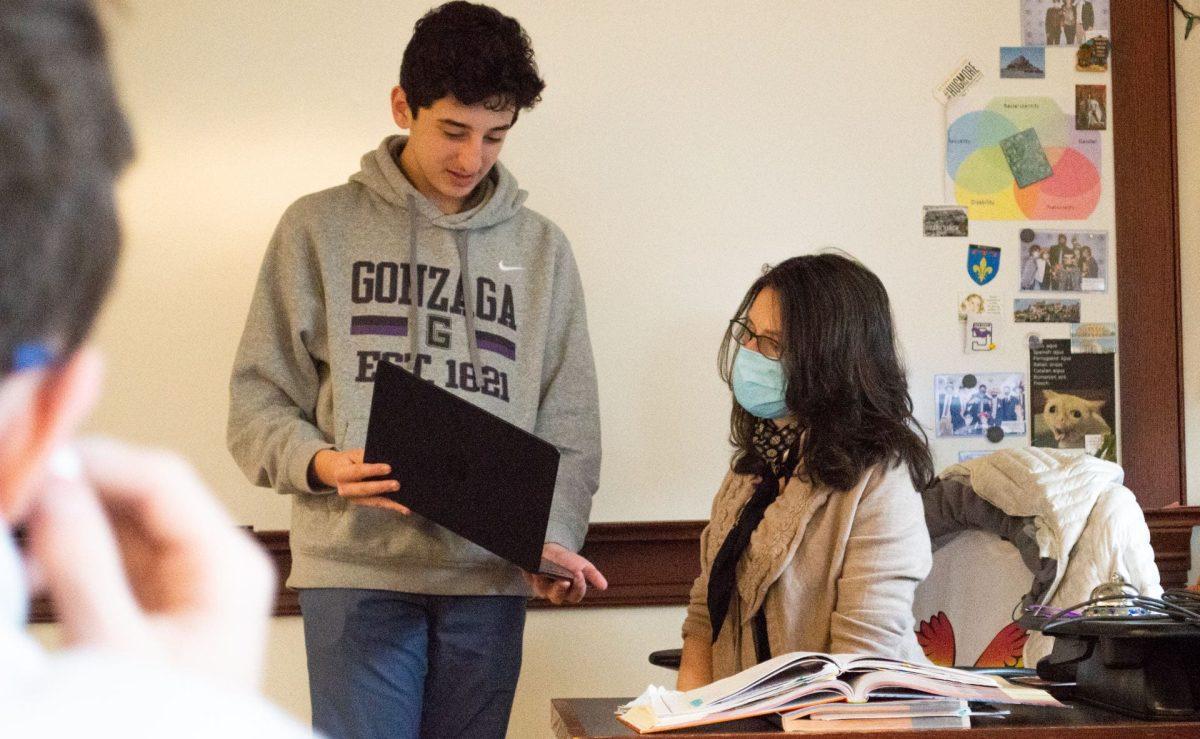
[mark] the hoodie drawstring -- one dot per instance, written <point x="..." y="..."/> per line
<point x="461" y="241"/>
<point x="464" y="275"/>
<point x="412" y="276"/>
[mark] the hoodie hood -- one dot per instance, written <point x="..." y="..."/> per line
<point x="500" y="201"/>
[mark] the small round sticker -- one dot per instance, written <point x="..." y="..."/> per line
<point x="1027" y="235"/>
<point x="1035" y="341"/>
<point x="995" y="434"/>
<point x="969" y="381"/>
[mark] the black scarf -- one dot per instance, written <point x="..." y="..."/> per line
<point x="776" y="447"/>
<point x="772" y="443"/>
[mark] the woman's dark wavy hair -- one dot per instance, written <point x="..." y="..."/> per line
<point x="474" y="53"/>
<point x="846" y="385"/>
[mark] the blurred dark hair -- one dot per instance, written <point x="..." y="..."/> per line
<point x="63" y="140"/>
<point x="474" y="53"/>
<point x="846" y="385"/>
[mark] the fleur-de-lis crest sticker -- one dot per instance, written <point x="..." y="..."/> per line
<point x="983" y="262"/>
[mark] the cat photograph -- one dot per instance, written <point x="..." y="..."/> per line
<point x="1071" y="400"/>
<point x="1066" y="420"/>
<point x="1069" y="418"/>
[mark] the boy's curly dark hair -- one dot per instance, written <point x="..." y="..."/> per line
<point x="474" y="53"/>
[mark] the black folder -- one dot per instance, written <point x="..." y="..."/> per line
<point x="485" y="479"/>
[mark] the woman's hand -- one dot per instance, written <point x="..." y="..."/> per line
<point x="140" y="560"/>
<point x="695" y="664"/>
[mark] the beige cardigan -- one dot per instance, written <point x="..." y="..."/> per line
<point x="836" y="570"/>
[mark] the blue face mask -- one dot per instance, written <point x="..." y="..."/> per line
<point x="759" y="384"/>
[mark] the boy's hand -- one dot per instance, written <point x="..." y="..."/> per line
<point x="559" y="591"/>
<point x="347" y="473"/>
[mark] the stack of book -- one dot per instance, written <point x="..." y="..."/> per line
<point x="881" y="715"/>
<point x="791" y="684"/>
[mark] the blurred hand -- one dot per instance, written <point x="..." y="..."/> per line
<point x="139" y="559"/>
<point x="347" y="473"/>
<point x="559" y="591"/>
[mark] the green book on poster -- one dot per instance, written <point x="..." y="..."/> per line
<point x="1026" y="157"/>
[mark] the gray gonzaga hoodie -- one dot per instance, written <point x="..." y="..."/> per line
<point x="489" y="303"/>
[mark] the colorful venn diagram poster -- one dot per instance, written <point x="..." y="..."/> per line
<point x="982" y="176"/>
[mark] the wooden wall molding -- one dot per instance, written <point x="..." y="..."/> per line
<point x="287" y="602"/>
<point x="1171" y="538"/>
<point x="647" y="564"/>
<point x="653" y="563"/>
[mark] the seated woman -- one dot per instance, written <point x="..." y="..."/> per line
<point x="817" y="539"/>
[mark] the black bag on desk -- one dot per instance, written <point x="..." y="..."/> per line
<point x="1147" y="668"/>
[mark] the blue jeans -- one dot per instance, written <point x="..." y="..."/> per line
<point x="386" y="664"/>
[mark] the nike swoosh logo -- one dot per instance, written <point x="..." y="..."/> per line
<point x="504" y="268"/>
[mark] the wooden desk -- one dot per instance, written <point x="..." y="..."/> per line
<point x="592" y="718"/>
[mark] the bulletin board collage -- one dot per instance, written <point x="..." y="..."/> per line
<point x="1030" y="154"/>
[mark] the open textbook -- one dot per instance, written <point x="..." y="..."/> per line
<point x="798" y="679"/>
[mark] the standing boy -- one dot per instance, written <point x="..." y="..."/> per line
<point x="426" y="258"/>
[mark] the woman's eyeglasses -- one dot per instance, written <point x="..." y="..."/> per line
<point x="743" y="334"/>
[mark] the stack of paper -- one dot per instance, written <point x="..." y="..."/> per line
<point x="891" y="715"/>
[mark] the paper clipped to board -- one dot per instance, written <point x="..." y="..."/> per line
<point x="965" y="75"/>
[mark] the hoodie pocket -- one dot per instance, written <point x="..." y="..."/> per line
<point x="342" y="433"/>
<point x="329" y="525"/>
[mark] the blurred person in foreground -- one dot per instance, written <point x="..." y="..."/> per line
<point x="162" y="602"/>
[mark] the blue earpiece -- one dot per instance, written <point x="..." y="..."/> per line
<point x="31" y="355"/>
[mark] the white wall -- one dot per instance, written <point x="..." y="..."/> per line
<point x="680" y="145"/>
<point x="1187" y="107"/>
<point x="675" y="185"/>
